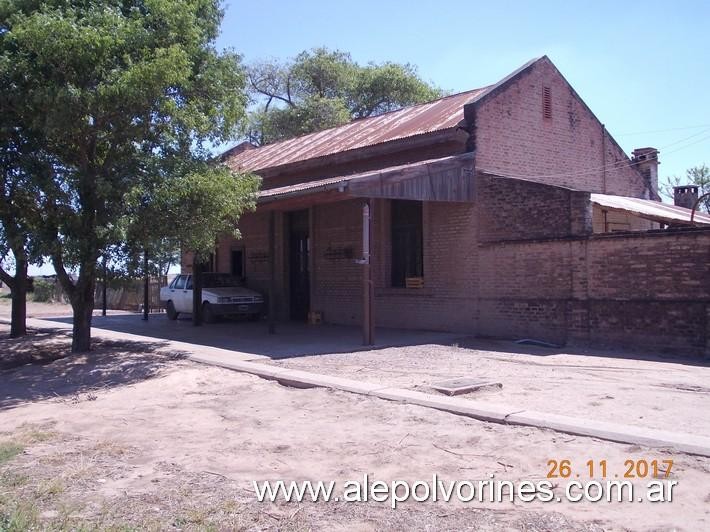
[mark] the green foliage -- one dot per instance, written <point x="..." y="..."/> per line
<point x="44" y="290"/>
<point x="18" y="517"/>
<point x="200" y="205"/>
<point x="8" y="451"/>
<point x="323" y="88"/>
<point x="122" y="97"/>
<point x="696" y="175"/>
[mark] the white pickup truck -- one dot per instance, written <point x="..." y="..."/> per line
<point x="222" y="294"/>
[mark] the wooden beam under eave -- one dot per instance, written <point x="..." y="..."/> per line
<point x="304" y="201"/>
<point x="447" y="180"/>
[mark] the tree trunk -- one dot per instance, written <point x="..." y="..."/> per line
<point x="146" y="286"/>
<point x="104" y="303"/>
<point x="18" y="324"/>
<point x="196" y="292"/>
<point x="83" y="306"/>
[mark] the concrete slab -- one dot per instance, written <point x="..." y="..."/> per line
<point x="297" y="378"/>
<point x="678" y="441"/>
<point x="465" y="407"/>
<point x="464" y="385"/>
<point x="253" y="341"/>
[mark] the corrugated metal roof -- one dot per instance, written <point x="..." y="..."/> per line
<point x="652" y="210"/>
<point x="304" y="188"/>
<point x="444" y="113"/>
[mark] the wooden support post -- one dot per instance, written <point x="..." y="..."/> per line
<point x="146" y="287"/>
<point x="368" y="314"/>
<point x="272" y="272"/>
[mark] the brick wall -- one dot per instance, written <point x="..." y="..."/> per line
<point x="650" y="289"/>
<point x="647" y="290"/>
<point x="445" y="302"/>
<point x="254" y="242"/>
<point x="512" y="209"/>
<point x="336" y="280"/>
<point x="522" y="262"/>
<point x="512" y="137"/>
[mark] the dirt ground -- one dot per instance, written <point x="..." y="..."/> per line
<point x="648" y="391"/>
<point x="41" y="310"/>
<point x="132" y="436"/>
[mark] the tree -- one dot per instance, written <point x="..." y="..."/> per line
<point x="696" y="175"/>
<point x="323" y="88"/>
<point x="119" y="92"/>
<point x="189" y="213"/>
<point x="19" y="217"/>
<point x="211" y="201"/>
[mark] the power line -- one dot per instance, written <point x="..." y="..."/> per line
<point x="661" y="130"/>
<point x="686" y="138"/>
<point x="617" y="166"/>
<point x="688" y="145"/>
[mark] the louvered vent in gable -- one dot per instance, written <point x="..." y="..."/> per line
<point x="546" y="103"/>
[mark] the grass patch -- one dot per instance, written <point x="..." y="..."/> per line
<point x="50" y="488"/>
<point x="12" y="480"/>
<point x="18" y="516"/>
<point x="8" y="451"/>
<point x="38" y="436"/>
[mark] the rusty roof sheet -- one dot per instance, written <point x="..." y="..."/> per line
<point x="444" y="113"/>
<point x="649" y="209"/>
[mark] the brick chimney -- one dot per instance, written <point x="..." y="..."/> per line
<point x="646" y="160"/>
<point x="685" y="196"/>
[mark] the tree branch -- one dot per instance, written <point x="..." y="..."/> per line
<point x="64" y="279"/>
<point x="6" y="278"/>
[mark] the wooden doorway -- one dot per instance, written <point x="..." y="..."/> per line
<point x="299" y="274"/>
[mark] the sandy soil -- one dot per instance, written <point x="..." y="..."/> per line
<point x="34" y="309"/>
<point x="609" y="386"/>
<point x="46" y="310"/>
<point x="135" y="436"/>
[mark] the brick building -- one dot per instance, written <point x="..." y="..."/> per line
<point x="505" y="211"/>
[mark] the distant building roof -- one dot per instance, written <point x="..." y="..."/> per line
<point x="650" y="210"/>
<point x="438" y="115"/>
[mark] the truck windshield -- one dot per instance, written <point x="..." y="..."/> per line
<point x="219" y="280"/>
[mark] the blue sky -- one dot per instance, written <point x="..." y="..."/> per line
<point x="642" y="67"/>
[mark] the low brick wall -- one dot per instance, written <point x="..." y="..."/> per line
<point x="647" y="289"/>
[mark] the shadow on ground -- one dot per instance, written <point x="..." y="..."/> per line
<point x="40" y="366"/>
<point x="512" y="347"/>
<point x="291" y="339"/>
